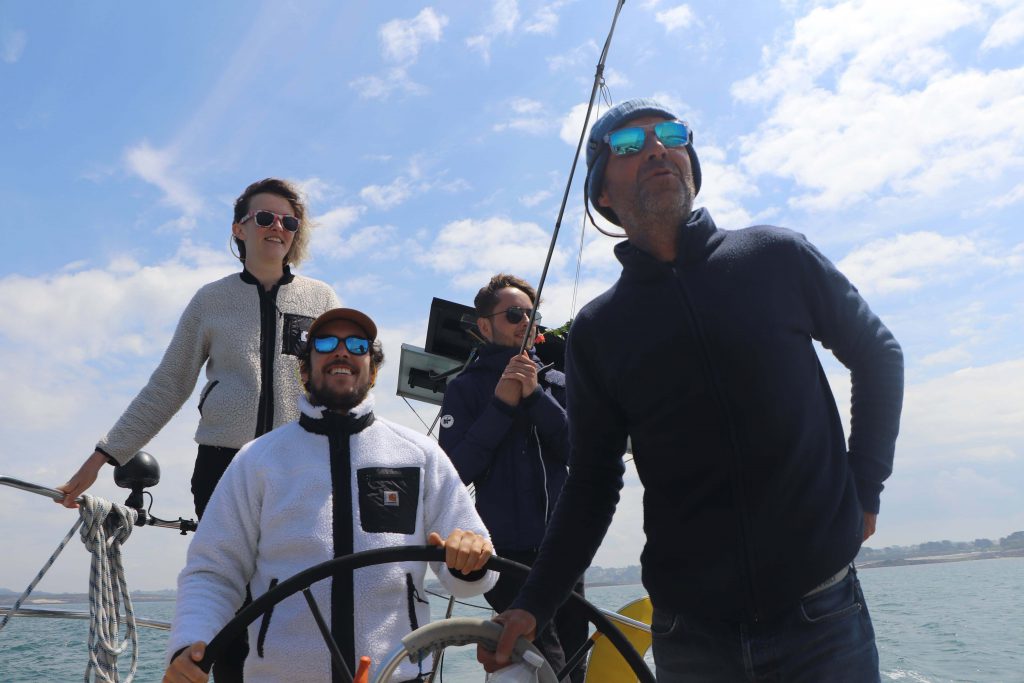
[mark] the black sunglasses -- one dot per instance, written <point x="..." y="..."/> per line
<point x="515" y="314"/>
<point x="265" y="219"/>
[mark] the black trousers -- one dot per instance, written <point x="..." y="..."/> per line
<point x="210" y="465"/>
<point x="563" y="636"/>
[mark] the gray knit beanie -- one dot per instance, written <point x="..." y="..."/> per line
<point x="597" y="149"/>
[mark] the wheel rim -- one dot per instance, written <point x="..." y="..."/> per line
<point x="412" y="553"/>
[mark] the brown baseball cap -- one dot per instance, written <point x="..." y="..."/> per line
<point x="350" y="314"/>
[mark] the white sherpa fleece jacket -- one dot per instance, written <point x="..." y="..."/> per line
<point x="272" y="516"/>
<point x="222" y="328"/>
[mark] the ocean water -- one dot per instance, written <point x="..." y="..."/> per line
<point x="961" y="621"/>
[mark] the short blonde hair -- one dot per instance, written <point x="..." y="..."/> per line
<point x="288" y="191"/>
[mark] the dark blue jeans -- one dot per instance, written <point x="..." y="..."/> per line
<point x="826" y="637"/>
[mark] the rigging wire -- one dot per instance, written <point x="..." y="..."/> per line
<point x="598" y="87"/>
<point x="430" y="428"/>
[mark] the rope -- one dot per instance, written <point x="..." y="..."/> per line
<point x="106" y="526"/>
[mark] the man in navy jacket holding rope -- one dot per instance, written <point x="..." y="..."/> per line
<point x="504" y="427"/>
<point x="754" y="504"/>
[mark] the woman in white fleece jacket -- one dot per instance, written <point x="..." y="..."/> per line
<point x="247" y="329"/>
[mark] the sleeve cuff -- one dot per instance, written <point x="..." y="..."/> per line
<point x="470" y="577"/>
<point x="110" y="459"/>
<point x="534" y="396"/>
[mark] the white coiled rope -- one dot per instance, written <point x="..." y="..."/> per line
<point x="104" y="527"/>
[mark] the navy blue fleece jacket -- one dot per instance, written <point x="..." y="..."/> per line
<point x="515" y="456"/>
<point x="751" y="494"/>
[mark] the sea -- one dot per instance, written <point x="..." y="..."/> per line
<point x="956" y="621"/>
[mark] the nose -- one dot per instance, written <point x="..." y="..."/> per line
<point x="652" y="145"/>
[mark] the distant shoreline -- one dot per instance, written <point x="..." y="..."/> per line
<point x="168" y="596"/>
<point x="940" y="559"/>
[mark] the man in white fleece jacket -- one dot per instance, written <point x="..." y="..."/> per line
<point x="335" y="482"/>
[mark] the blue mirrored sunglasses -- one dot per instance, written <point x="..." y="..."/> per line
<point x="626" y="141"/>
<point x="358" y="346"/>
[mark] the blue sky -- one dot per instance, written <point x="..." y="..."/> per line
<point x="433" y="141"/>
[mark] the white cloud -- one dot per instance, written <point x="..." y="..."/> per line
<point x="572" y="122"/>
<point x="908" y="262"/>
<point x="517" y="247"/>
<point x="374" y="242"/>
<point x="1005" y="31"/>
<point x="531" y="200"/>
<point x="723" y="187"/>
<point x="159" y="167"/>
<point x="572" y="59"/>
<point x="387" y="196"/>
<point x="503" y="19"/>
<point x="954" y="355"/>
<point x="855" y="93"/>
<point x="678" y="17"/>
<point x="115" y="314"/>
<point x="13" y="46"/>
<point x="401" y="39"/>
<point x="1015" y="195"/>
<point x="545" y="19"/>
<point x="400" y="44"/>
<point x="527" y="116"/>
<point x="971" y="415"/>
<point x="381" y="87"/>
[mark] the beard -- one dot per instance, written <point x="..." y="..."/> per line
<point x="336" y="400"/>
<point x="653" y="208"/>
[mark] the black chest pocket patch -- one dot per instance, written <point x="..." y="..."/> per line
<point x="296" y="332"/>
<point x="388" y="498"/>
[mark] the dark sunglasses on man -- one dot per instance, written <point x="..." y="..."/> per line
<point x="357" y="346"/>
<point x="265" y="219"/>
<point x="515" y="314"/>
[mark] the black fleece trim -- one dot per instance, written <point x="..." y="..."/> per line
<point x="268" y="346"/>
<point x="286" y="277"/>
<point x="338" y="430"/>
<point x="472" y="576"/>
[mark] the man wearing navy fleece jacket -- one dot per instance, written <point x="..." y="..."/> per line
<point x="754" y="504"/>
<point x="504" y="427"/>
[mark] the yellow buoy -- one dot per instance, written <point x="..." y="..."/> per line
<point x="606" y="665"/>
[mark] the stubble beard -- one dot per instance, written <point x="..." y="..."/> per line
<point x="337" y="401"/>
<point x="655" y="212"/>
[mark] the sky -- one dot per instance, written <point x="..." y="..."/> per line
<point x="434" y="140"/>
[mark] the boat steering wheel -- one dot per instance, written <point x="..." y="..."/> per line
<point x="421" y="642"/>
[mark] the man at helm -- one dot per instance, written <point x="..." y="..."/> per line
<point x="338" y="480"/>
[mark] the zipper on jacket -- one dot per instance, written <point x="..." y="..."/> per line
<point x="543" y="474"/>
<point x="720" y="396"/>
<point x="268" y="344"/>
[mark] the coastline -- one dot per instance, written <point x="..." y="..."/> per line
<point x="7" y="598"/>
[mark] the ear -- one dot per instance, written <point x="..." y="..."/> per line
<point x="237" y="231"/>
<point x="484" y="325"/>
<point x="604" y="200"/>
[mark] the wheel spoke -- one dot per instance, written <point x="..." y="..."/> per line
<point x="332" y="645"/>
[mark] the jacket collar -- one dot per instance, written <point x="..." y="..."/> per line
<point x="696" y="238"/>
<point x="286" y="277"/>
<point x="318" y="420"/>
